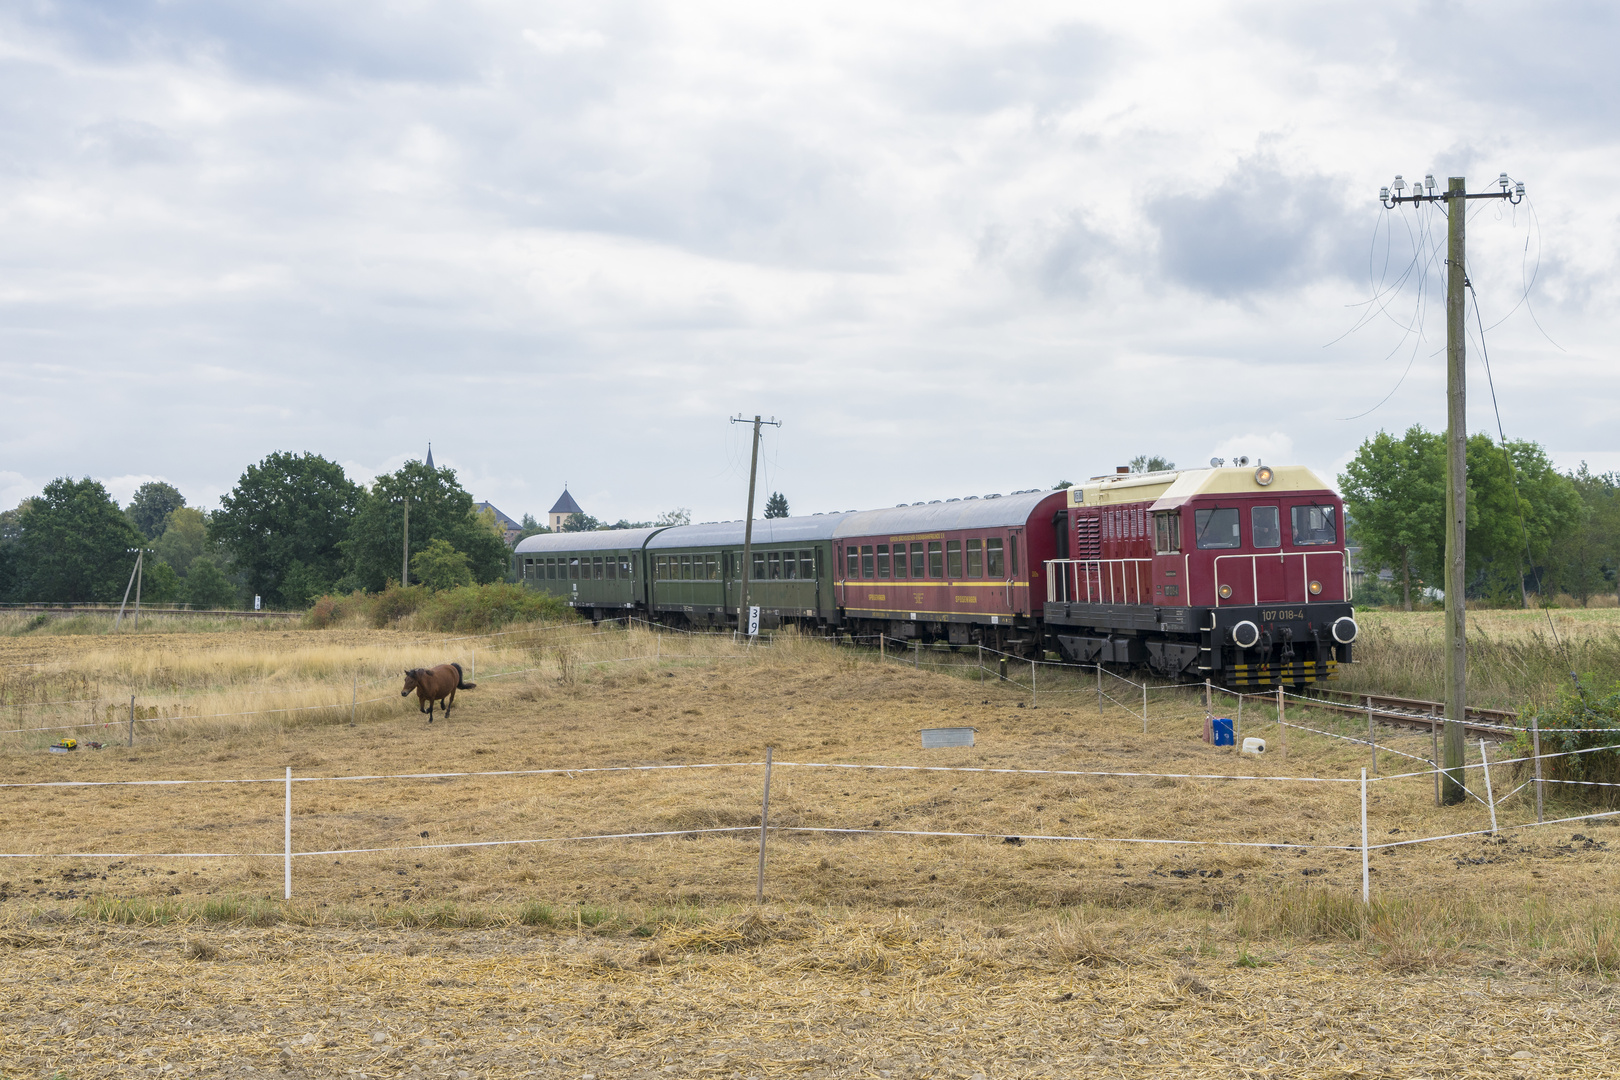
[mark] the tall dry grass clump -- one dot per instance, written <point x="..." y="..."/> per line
<point x="467" y="609"/>
<point x="1517" y="659"/>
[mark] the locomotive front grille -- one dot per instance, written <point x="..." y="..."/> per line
<point x="1299" y="671"/>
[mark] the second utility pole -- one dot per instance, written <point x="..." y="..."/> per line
<point x="748" y="527"/>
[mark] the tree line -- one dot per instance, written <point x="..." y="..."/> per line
<point x="293" y="528"/>
<point x="1530" y="529"/>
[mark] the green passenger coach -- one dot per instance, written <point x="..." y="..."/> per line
<point x="695" y="572"/>
<point x="601" y="574"/>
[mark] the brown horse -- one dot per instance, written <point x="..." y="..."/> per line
<point x="435" y="684"/>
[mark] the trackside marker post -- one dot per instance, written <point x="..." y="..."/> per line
<point x="1366" y="884"/>
<point x="764" y="822"/>
<point x="286" y="839"/>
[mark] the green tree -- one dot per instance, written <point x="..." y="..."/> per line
<point x="776" y="506"/>
<point x="208" y="587"/>
<point x="440" y="566"/>
<point x="184" y="537"/>
<point x="73" y="544"/>
<point x="678" y="516"/>
<point x="289" y="508"/>
<point x="1586" y="560"/>
<point x="1511" y="535"/>
<point x="440" y="510"/>
<point x="1143" y="463"/>
<point x="1394" y="491"/>
<point x="581" y="523"/>
<point x="1063" y="485"/>
<point x="10" y="533"/>
<point x="149" y="510"/>
<point x="159" y="584"/>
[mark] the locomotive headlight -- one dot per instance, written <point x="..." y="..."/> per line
<point x="1263" y="476"/>
<point x="1226" y="592"/>
<point x="1316" y="587"/>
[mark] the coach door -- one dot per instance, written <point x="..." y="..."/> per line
<point x="1017" y="574"/>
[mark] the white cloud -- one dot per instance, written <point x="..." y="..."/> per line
<point x="955" y="255"/>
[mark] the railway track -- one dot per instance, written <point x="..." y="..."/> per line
<point x="1416" y="713"/>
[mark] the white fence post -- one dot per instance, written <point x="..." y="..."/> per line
<point x="1144" y="707"/>
<point x="286" y="873"/>
<point x="764" y="819"/>
<point x="1485" y="765"/>
<point x="1372" y="738"/>
<point x="1535" y="748"/>
<point x="1099" y="688"/>
<point x="1366" y="884"/>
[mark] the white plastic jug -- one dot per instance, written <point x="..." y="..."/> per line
<point x="1252" y="745"/>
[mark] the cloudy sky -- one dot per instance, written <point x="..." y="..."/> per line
<point x="956" y="249"/>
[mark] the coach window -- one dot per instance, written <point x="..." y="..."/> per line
<point x="624" y="568"/>
<point x="936" y="559"/>
<point x="774" y="558"/>
<point x="1314" y="525"/>
<point x="1265" y="527"/>
<point x="1216" y="528"/>
<point x="711" y="563"/>
<point x="1167" y="532"/>
<point x="807" y="565"/>
<point x="852" y="561"/>
<point x="899" y="560"/>
<point x="866" y="560"/>
<point x="975" y="558"/>
<point x="883" y="560"/>
<point x="758" y="572"/>
<point x="596" y="568"/>
<point x="573" y="567"/>
<point x="790" y="565"/>
<point x="1012" y="555"/>
<point x="661" y="567"/>
<point x="613" y="568"/>
<point x="916" y="560"/>
<point x="953" y="559"/>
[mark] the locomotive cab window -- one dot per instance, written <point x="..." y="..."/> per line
<point x="1167" y="532"/>
<point x="1217" y="528"/>
<point x="1314" y="525"/>
<point x="1265" y="527"/>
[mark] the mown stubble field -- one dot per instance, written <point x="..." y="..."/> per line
<point x="876" y="953"/>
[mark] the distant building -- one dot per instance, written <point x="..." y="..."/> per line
<point x="565" y="509"/>
<point x="508" y="527"/>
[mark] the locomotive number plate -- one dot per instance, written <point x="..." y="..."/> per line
<point x="1282" y="614"/>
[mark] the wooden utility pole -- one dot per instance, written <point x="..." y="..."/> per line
<point x="1452" y="790"/>
<point x="1455" y="199"/>
<point x="748" y="527"/>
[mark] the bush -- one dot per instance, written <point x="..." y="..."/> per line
<point x="440" y="566"/>
<point x="207" y="587"/>
<point x="469" y="608"/>
<point x="1567" y="727"/>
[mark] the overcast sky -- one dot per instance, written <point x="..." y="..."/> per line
<point x="956" y="249"/>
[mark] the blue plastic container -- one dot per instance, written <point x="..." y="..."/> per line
<point x="1223" y="731"/>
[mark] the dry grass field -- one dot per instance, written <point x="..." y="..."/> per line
<point x="878" y="952"/>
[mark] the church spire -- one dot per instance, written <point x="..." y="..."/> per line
<point x="430" y="456"/>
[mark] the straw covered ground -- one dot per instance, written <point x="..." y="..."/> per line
<point x="878" y="952"/>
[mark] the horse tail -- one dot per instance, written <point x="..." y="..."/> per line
<point x="461" y="680"/>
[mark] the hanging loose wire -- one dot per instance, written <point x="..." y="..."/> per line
<point x="1513" y="476"/>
